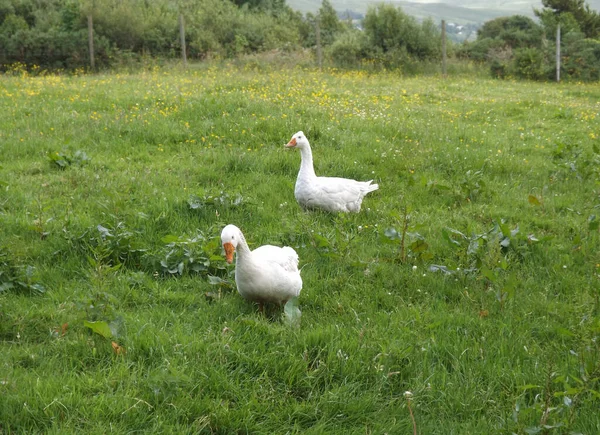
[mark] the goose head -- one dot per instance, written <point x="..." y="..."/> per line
<point x="230" y="236"/>
<point x="298" y="140"/>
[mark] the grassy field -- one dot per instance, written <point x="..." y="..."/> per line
<point x="469" y="279"/>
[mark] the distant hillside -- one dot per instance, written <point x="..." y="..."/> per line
<point x="458" y="11"/>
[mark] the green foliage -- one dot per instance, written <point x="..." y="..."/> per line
<point x="528" y="64"/>
<point x="491" y="321"/>
<point x="110" y="245"/>
<point x="63" y="159"/>
<point x="473" y="184"/>
<point x="216" y="201"/>
<point x="515" y="31"/>
<point x="581" y="58"/>
<point x="573" y="160"/>
<point x="329" y="24"/>
<point x="292" y="313"/>
<point x="127" y="31"/>
<point x="17" y="278"/>
<point x="99" y="327"/>
<point x="412" y="245"/>
<point x="516" y="47"/>
<point x="395" y="37"/>
<point x="511" y="45"/>
<point x="194" y="255"/>
<point x="330" y="27"/>
<point x="349" y="49"/>
<point x="570" y="11"/>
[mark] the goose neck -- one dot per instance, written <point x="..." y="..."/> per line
<point x="306" y="165"/>
<point x="242" y="248"/>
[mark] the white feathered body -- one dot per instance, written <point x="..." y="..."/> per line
<point x="266" y="274"/>
<point x="331" y="194"/>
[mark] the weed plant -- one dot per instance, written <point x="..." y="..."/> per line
<point x="470" y="278"/>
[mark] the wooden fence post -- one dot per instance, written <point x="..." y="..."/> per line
<point x="444" y="48"/>
<point x="182" y="39"/>
<point x="91" y="40"/>
<point x="558" y="53"/>
<point x="318" y="36"/>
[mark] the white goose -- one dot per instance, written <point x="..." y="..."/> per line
<point x="327" y="193"/>
<point x="267" y="274"/>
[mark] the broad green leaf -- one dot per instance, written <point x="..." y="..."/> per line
<point x="532" y="238"/>
<point x="99" y="327"/>
<point x="292" y="313"/>
<point x="564" y="332"/>
<point x="38" y="288"/>
<point x="487" y="273"/>
<point x="473" y="246"/>
<point x="391" y="233"/>
<point x="194" y="202"/>
<point x="534" y="200"/>
<point x="321" y="241"/>
<point x="510" y="286"/>
<point x="104" y="231"/>
<point x="529" y="387"/>
<point x="418" y="246"/>
<point x="6" y="286"/>
<point x="440" y="268"/>
<point x="593" y="223"/>
<point x="446" y="236"/>
<point x="117" y="326"/>
<point x="215" y="280"/>
<point x="426" y="256"/>
<point x="505" y="229"/>
<point x="170" y="239"/>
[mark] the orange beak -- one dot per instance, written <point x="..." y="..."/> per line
<point x="291" y="143"/>
<point x="229" y="249"/>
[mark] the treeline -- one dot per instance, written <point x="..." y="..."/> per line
<point x="53" y="34"/>
<point x="517" y="46"/>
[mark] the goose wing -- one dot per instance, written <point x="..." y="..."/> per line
<point x="285" y="257"/>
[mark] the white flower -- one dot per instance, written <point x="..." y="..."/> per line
<point x="408" y="395"/>
<point x="414" y="267"/>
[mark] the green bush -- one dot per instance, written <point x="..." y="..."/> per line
<point x="581" y="57"/>
<point x="348" y="49"/>
<point x="528" y="64"/>
<point x="396" y="39"/>
<point x="55" y="49"/>
<point x="54" y="33"/>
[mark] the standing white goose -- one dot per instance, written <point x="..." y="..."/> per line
<point x="327" y="193"/>
<point x="267" y="274"/>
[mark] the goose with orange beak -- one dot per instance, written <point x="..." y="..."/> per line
<point x="266" y="274"/>
<point x="326" y="193"/>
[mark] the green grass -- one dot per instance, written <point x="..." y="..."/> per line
<point x="506" y="340"/>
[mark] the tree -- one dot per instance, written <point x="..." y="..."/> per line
<point x="390" y="30"/>
<point x="515" y="31"/>
<point x="330" y="24"/>
<point x="274" y="7"/>
<point x="568" y="11"/>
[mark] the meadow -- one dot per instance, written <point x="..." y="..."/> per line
<point x="463" y="298"/>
